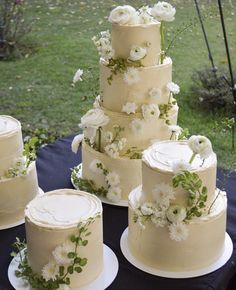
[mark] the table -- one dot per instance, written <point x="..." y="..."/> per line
<point x="54" y="165"/>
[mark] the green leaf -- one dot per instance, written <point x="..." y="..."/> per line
<point x="85" y="242"/>
<point x="83" y="262"/>
<point x="71" y="255"/>
<point x="61" y="270"/>
<point x="70" y="269"/>
<point x="78" y="269"/>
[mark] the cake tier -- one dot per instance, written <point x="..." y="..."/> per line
<point x="15" y="193"/>
<point x="157" y="170"/>
<point x="116" y="94"/>
<point x="128" y="170"/>
<point x="52" y="218"/>
<point x="203" y="246"/>
<point x="124" y="37"/>
<point x="149" y="130"/>
<point x="11" y="144"/>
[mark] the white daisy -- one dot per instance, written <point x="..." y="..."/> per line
<point x="176" y="213"/>
<point x="60" y="253"/>
<point x="50" y="271"/>
<point x="114" y="194"/>
<point x="162" y="194"/>
<point x="150" y="111"/>
<point x="178" y="232"/>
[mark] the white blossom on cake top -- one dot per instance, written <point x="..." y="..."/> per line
<point x="94" y="118"/>
<point x="124" y="15"/>
<point x="145" y="16"/>
<point x="200" y="145"/>
<point x="163" y="11"/>
<point x="181" y="165"/>
<point x="137" y="53"/>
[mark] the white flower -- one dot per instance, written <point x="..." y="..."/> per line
<point x="200" y="145"/>
<point x="124" y="15"/>
<point x="178" y="232"/>
<point x="159" y="218"/>
<point x="173" y="88"/>
<point x="63" y="287"/>
<point x="150" y="111"/>
<point x="147" y="208"/>
<point x="163" y="11"/>
<point x="112" y="150"/>
<point x="108" y="136"/>
<point x="90" y="133"/>
<point x="176" y="213"/>
<point x="94" y="118"/>
<point x="112" y="179"/>
<point x="155" y="93"/>
<point x="78" y="75"/>
<point x="144" y="15"/>
<point x="162" y="194"/>
<point x="20" y="163"/>
<point x="129" y="108"/>
<point x="175" y="129"/>
<point x="60" y="253"/>
<point x="180" y="165"/>
<point x="114" y="194"/>
<point x="137" y="53"/>
<point x="97" y="102"/>
<point x="96" y="166"/>
<point x="50" y="271"/>
<point x="131" y="76"/>
<point x="121" y="143"/>
<point x="136" y="126"/>
<point x="76" y="142"/>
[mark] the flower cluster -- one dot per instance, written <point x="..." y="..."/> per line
<point x="19" y="168"/>
<point x="103" y="44"/>
<point x="161" y="213"/>
<point x="200" y="145"/>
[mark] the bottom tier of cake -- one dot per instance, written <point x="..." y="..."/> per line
<point x="152" y="245"/>
<point x="15" y="193"/>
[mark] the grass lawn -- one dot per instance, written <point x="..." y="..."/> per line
<point x="37" y="89"/>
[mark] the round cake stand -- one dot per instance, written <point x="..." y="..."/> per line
<point x="228" y="249"/>
<point x="107" y="276"/>
<point x="21" y="221"/>
<point x="122" y="202"/>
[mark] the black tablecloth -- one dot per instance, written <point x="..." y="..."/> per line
<point x="54" y="165"/>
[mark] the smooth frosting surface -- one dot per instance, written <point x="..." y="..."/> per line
<point x="8" y="125"/>
<point x="161" y="155"/>
<point x="63" y="208"/>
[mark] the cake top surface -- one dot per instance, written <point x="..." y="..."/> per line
<point x="162" y="155"/>
<point x="63" y="208"/>
<point x="8" y="125"/>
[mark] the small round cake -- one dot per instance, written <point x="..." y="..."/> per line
<point x="61" y="222"/>
<point x="177" y="218"/>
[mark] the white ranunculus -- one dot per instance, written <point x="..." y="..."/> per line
<point x="200" y="145"/>
<point x="163" y="11"/>
<point x="124" y="15"/>
<point x="114" y="194"/>
<point x="76" y="142"/>
<point x="180" y="165"/>
<point x="112" y="179"/>
<point x="94" y="118"/>
<point x="155" y="93"/>
<point x="176" y="213"/>
<point x="136" y="126"/>
<point x="175" y="129"/>
<point x="147" y="208"/>
<point x="93" y="166"/>
<point x="78" y="75"/>
<point x="129" y="108"/>
<point x="173" y="88"/>
<point x="150" y="111"/>
<point x="137" y="53"/>
<point x="178" y="232"/>
<point x="112" y="150"/>
<point x="50" y="271"/>
<point x="131" y="76"/>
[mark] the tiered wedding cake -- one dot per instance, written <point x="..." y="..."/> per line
<point x="64" y="239"/>
<point x="177" y="218"/>
<point x="135" y="106"/>
<point x="18" y="177"/>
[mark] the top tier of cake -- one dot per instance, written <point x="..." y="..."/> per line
<point x="158" y="170"/>
<point x="63" y="208"/>
<point x="11" y="144"/>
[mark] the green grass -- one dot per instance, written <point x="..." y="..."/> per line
<point x="37" y="89"/>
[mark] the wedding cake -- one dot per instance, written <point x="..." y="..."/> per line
<point x="177" y="218"/>
<point x="18" y="177"/>
<point x="64" y="239"/>
<point x="136" y="104"/>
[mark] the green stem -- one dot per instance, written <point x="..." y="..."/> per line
<point x="172" y="134"/>
<point x="162" y="42"/>
<point x="209" y="210"/>
<point x="169" y="98"/>
<point x="99" y="139"/>
<point x="192" y="158"/>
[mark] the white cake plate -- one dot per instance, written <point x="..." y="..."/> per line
<point x="21" y="221"/>
<point x="110" y="270"/>
<point x="228" y="249"/>
<point x="122" y="202"/>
